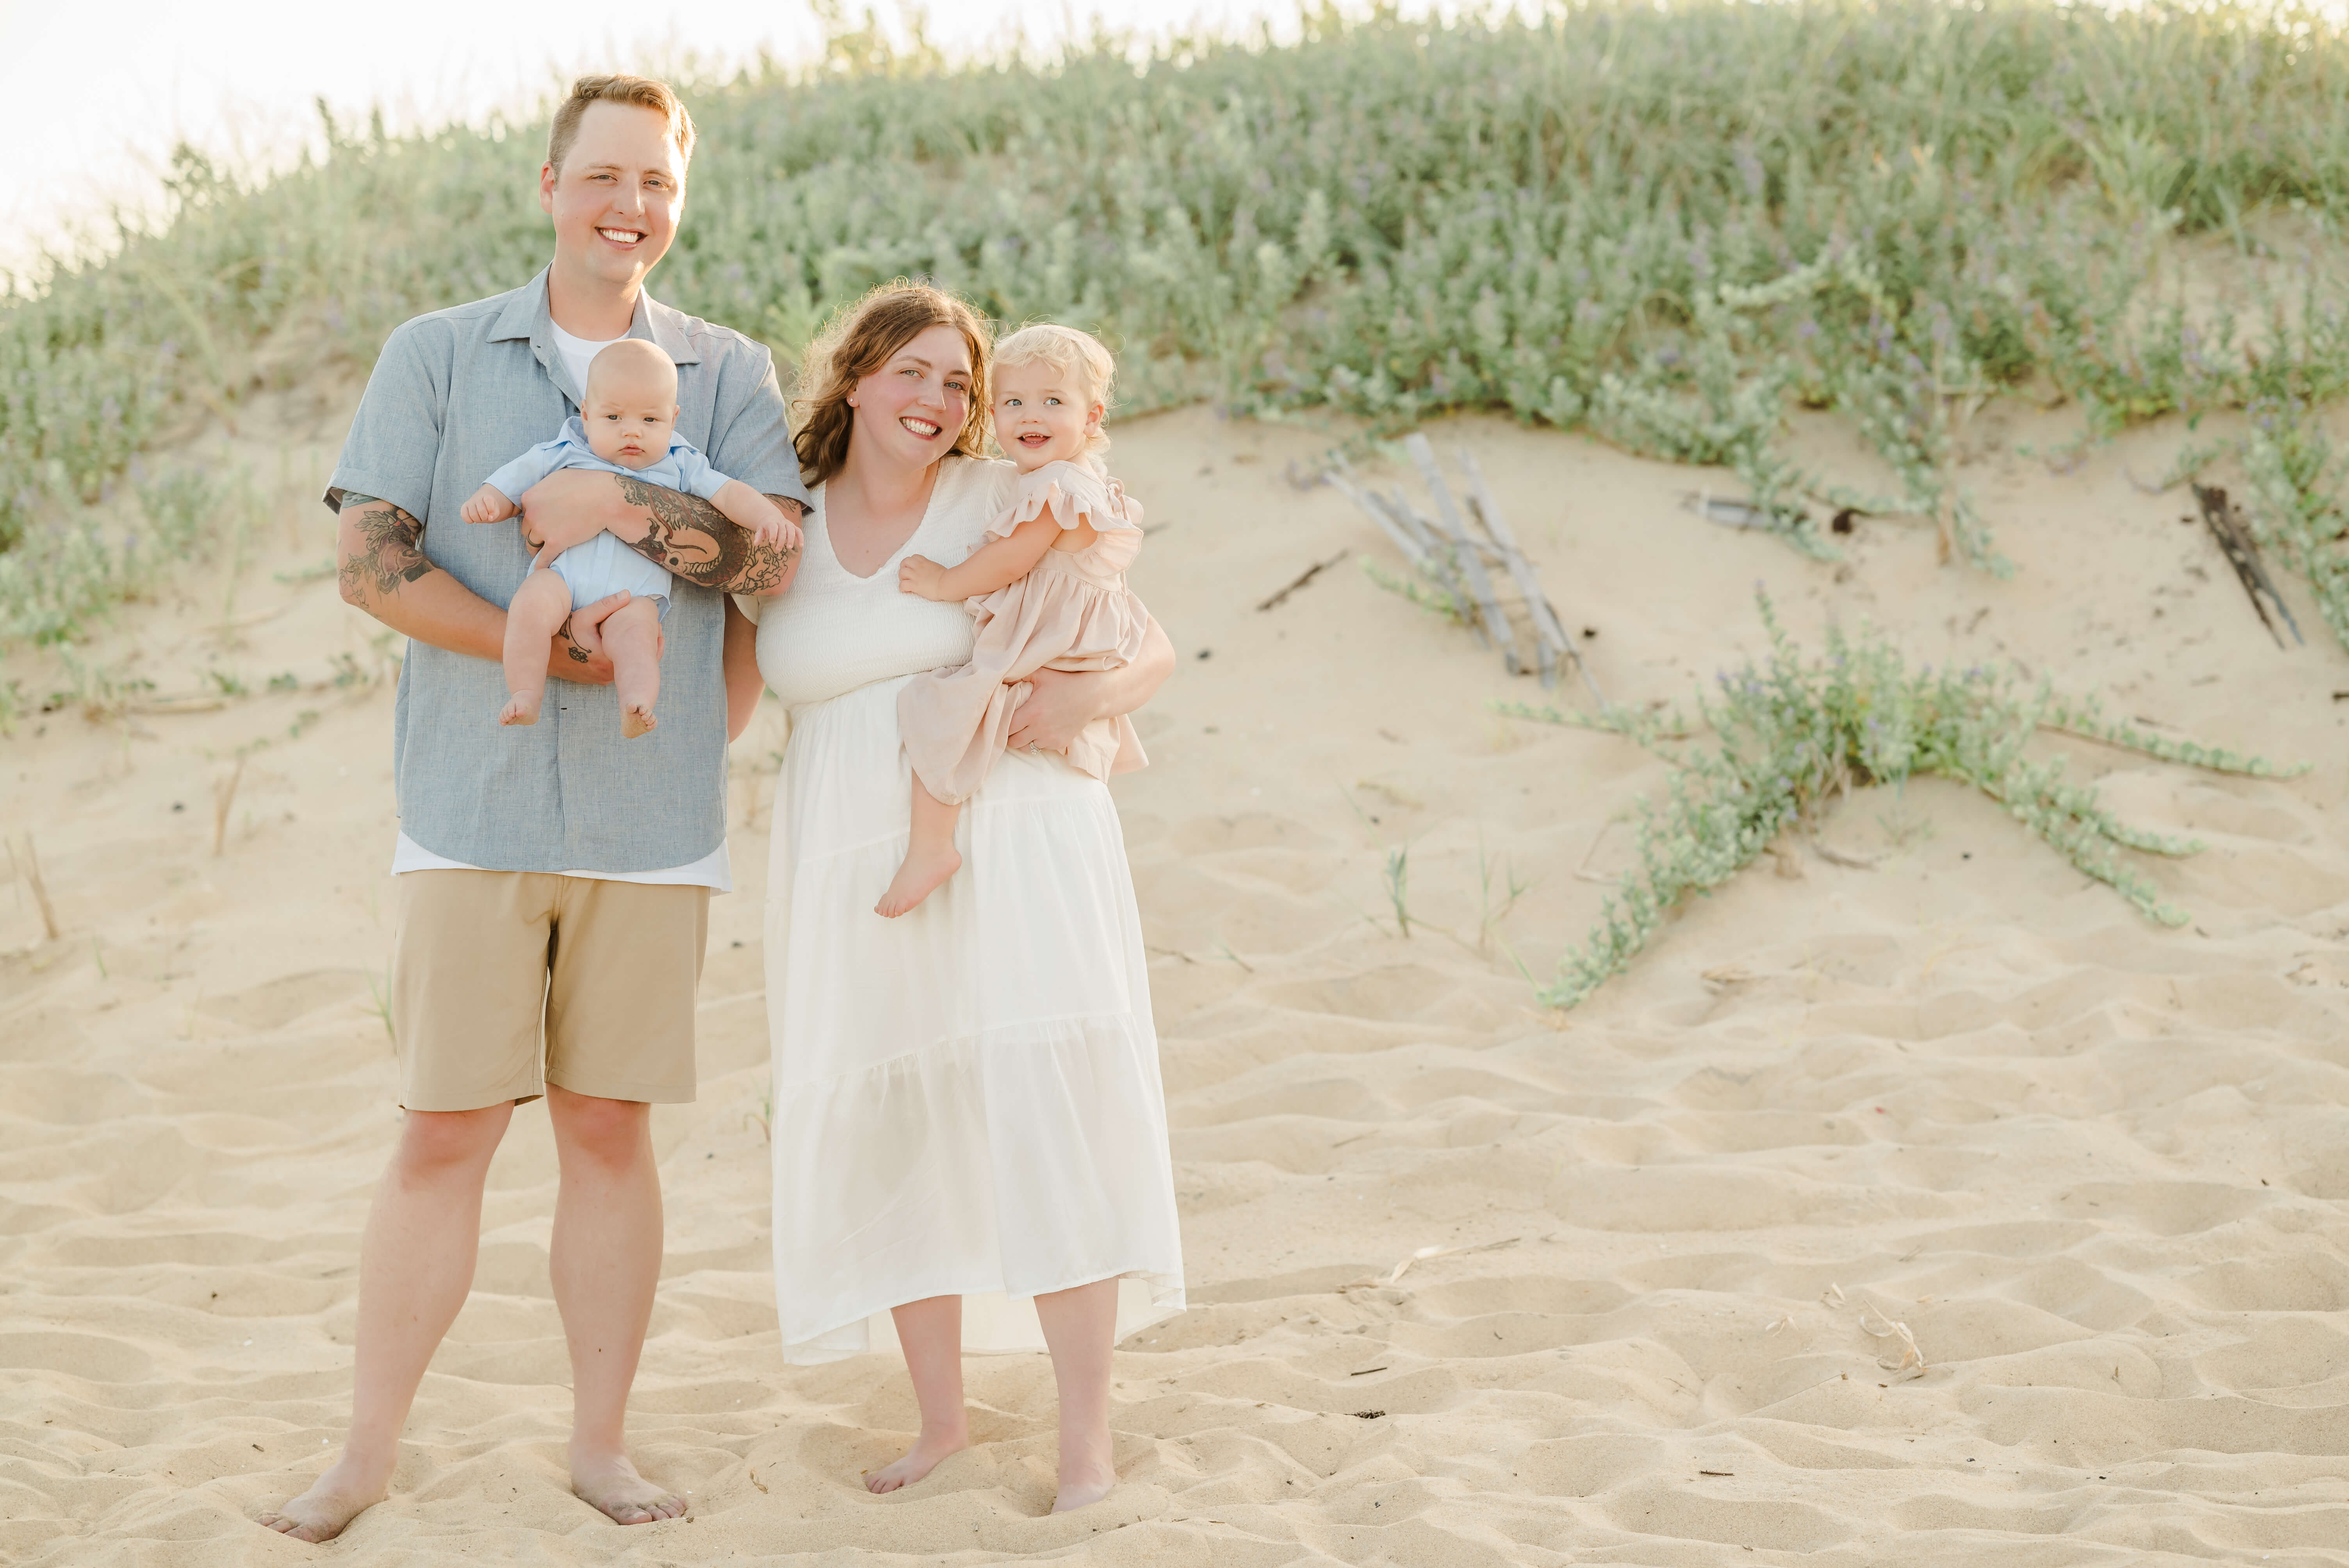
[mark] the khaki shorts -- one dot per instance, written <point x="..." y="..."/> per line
<point x="486" y="963"/>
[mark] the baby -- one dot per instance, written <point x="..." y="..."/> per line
<point x="1047" y="591"/>
<point x="627" y="425"/>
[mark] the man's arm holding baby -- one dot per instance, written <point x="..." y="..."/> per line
<point x="380" y="562"/>
<point x="691" y="538"/>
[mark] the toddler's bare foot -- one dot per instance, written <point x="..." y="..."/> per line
<point x="345" y="1492"/>
<point x="924" y="870"/>
<point x="610" y="1484"/>
<point x="638" y="720"/>
<point x="1084" y="1484"/>
<point x="519" y="708"/>
<point x="919" y="1460"/>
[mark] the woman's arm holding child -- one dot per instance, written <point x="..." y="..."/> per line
<point x="1064" y="702"/>
<point x="995" y="565"/>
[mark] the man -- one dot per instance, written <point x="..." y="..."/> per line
<point x="553" y="881"/>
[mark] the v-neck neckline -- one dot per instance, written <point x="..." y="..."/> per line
<point x="929" y="506"/>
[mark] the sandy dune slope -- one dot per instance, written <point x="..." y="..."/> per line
<point x="2096" y="1170"/>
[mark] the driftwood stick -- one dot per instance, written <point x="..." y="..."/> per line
<point x="1471" y="562"/>
<point x="1344" y="483"/>
<point x="31" y="872"/>
<point x="1407" y="518"/>
<point x="1548" y="628"/>
<point x="1402" y="529"/>
<point x="1438" y="557"/>
<point x="223" y="799"/>
<point x="2227" y="527"/>
<point x="1302" y="578"/>
<point x="1521" y="570"/>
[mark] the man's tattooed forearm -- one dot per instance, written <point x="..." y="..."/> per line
<point x="386" y="556"/>
<point x="694" y="540"/>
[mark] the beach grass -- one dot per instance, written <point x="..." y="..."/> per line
<point x="1780" y="741"/>
<point x="1670" y="225"/>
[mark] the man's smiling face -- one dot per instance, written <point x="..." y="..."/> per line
<point x="616" y="199"/>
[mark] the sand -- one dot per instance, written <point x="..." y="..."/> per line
<point x="2095" y="1168"/>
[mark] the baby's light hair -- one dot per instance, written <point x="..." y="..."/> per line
<point x="1075" y="353"/>
<point x="633" y="356"/>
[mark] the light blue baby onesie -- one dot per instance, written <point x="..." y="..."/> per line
<point x="604" y="566"/>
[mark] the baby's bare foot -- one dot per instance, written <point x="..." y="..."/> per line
<point x="924" y="870"/>
<point x="609" y="1483"/>
<point x="519" y="708"/>
<point x="344" y="1492"/>
<point x="919" y="1460"/>
<point x="638" y="720"/>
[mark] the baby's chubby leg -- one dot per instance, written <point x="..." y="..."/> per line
<point x="632" y="637"/>
<point x="537" y="613"/>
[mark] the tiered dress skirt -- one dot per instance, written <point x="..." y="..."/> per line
<point x="966" y="1098"/>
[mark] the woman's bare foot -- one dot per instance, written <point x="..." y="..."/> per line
<point x="1083" y="1484"/>
<point x="610" y="1484"/>
<point x="519" y="708"/>
<point x="919" y="1460"/>
<point x="341" y="1494"/>
<point x="924" y="870"/>
<point x="635" y="721"/>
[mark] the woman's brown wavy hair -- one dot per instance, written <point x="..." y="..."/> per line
<point x="860" y="340"/>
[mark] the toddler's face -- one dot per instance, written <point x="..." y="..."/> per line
<point x="629" y="419"/>
<point x="1042" y="415"/>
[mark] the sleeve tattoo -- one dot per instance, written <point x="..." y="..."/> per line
<point x="694" y="540"/>
<point x="389" y="555"/>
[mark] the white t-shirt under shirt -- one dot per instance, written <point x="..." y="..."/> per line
<point x="712" y="871"/>
<point x="578" y="352"/>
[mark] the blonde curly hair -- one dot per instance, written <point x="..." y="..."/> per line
<point x="1078" y="355"/>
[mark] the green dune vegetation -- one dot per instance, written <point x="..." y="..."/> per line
<point x="1666" y="225"/>
<point x="1783" y="741"/>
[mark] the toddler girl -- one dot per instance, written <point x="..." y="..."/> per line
<point x="1047" y="591"/>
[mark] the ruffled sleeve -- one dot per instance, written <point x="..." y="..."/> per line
<point x="1077" y="493"/>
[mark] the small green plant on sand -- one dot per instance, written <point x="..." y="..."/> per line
<point x="1398" y="878"/>
<point x="1790" y="735"/>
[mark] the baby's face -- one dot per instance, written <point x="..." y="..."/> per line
<point x="629" y="418"/>
<point x="1041" y="415"/>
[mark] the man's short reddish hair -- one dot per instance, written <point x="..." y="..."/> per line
<point x="643" y="92"/>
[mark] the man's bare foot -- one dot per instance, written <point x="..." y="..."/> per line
<point x="635" y="721"/>
<point x="341" y="1494"/>
<point x="1084" y="1484"/>
<point x="519" y="708"/>
<point x="611" y="1484"/>
<point x="924" y="870"/>
<point x="919" y="1460"/>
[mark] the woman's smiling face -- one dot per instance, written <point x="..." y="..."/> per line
<point x="912" y="409"/>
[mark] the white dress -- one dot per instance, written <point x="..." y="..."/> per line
<point x="966" y="1098"/>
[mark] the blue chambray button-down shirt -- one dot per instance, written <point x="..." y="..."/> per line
<point x="455" y="395"/>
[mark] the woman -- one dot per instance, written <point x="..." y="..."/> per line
<point x="968" y="1107"/>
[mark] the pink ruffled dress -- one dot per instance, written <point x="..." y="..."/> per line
<point x="1071" y="612"/>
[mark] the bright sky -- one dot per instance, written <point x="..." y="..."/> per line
<point x="107" y="87"/>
